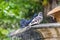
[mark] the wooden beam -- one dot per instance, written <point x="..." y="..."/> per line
<point x="46" y="25"/>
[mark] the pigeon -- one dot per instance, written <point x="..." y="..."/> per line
<point x="25" y="22"/>
<point x="37" y="19"/>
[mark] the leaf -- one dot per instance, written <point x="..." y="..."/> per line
<point x="5" y="32"/>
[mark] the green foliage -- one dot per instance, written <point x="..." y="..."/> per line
<point x="11" y="11"/>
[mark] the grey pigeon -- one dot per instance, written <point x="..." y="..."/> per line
<point x="37" y="19"/>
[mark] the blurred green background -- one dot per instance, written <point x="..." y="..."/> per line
<point x="12" y="11"/>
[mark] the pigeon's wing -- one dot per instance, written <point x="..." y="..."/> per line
<point x="36" y="20"/>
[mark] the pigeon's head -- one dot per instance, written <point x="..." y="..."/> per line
<point x="40" y="14"/>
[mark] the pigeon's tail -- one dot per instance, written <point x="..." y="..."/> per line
<point x="24" y="23"/>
